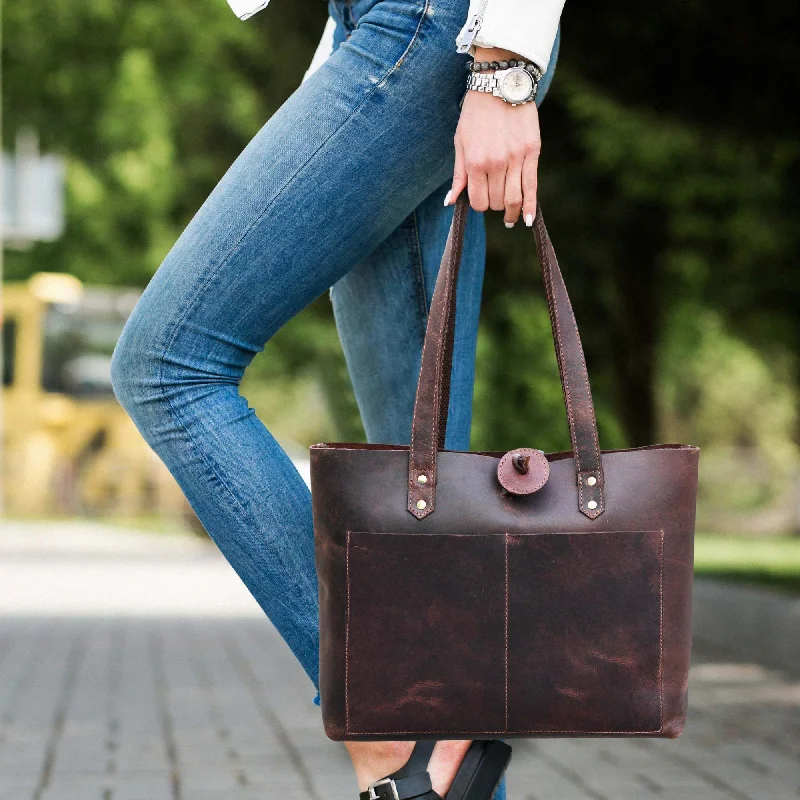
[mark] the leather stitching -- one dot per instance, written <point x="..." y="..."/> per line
<point x="557" y="327"/>
<point x="453" y="256"/>
<point x="414" y="434"/>
<point x="661" y="633"/>
<point x="598" y="460"/>
<point x="517" y="534"/>
<point x="507" y="731"/>
<point x="547" y="271"/>
<point x="347" y="641"/>
<point x="442" y="321"/>
<point x="506" y="632"/>
<point x="456" y="731"/>
<point x="438" y="336"/>
<point x="421" y="293"/>
<point x="545" y="260"/>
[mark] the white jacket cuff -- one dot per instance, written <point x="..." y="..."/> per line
<point x="246" y="8"/>
<point x="526" y="27"/>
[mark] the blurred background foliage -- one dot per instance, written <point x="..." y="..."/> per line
<point x="669" y="179"/>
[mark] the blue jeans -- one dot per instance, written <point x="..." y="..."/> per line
<point x="341" y="190"/>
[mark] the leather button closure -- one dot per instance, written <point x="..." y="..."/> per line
<point x="523" y="471"/>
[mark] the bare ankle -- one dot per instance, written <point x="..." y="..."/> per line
<point x="445" y="761"/>
<point x="375" y="760"/>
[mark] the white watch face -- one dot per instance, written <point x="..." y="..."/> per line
<point x="517" y="85"/>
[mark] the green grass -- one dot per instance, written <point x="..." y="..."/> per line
<point x="773" y="561"/>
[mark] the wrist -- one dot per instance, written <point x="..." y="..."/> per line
<point x="496" y="54"/>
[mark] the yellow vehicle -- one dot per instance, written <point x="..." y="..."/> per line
<point x="67" y="445"/>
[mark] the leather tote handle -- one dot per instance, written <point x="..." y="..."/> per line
<point x="433" y="390"/>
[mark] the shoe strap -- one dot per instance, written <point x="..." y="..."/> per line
<point x="410" y="781"/>
<point x="418" y="760"/>
<point x="413" y="786"/>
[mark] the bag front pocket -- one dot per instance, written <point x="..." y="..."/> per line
<point x="584" y="632"/>
<point x="425" y="633"/>
<point x="526" y="634"/>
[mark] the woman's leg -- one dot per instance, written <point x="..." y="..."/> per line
<point x="339" y="166"/>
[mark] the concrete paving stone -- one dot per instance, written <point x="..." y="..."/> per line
<point x="190" y="694"/>
<point x="535" y="779"/>
<point x="13" y="791"/>
<point x="585" y="765"/>
<point x="77" y="789"/>
<point x="730" y="773"/>
<point x="762" y="760"/>
<point x="248" y="794"/>
<point x="217" y="781"/>
<point x="662" y="774"/>
<point x="143" y="793"/>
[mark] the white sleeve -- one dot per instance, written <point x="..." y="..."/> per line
<point x="246" y="8"/>
<point x="324" y="48"/>
<point x="526" y="27"/>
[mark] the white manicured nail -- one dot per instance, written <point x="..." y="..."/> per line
<point x="509" y="224"/>
<point x="447" y="197"/>
<point x="529" y="220"/>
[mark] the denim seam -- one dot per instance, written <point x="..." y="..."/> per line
<point x="422" y="17"/>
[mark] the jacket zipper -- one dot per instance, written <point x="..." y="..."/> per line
<point x="471" y="28"/>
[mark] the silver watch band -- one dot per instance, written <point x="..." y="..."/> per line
<point x="483" y="82"/>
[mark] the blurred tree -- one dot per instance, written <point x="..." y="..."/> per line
<point x="150" y="102"/>
<point x="673" y="149"/>
<point x="669" y="180"/>
<point x="743" y="410"/>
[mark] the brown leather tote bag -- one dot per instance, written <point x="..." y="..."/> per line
<point x="476" y="595"/>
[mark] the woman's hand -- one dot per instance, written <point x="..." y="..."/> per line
<point x="497" y="152"/>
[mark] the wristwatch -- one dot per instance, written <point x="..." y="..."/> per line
<point x="516" y="85"/>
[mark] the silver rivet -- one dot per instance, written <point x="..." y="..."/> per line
<point x="422" y="478"/>
<point x="591" y="480"/>
<point x="421" y="504"/>
<point x="592" y="504"/>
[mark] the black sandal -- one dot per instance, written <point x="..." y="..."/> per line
<point x="477" y="777"/>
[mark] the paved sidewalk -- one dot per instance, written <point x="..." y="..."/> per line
<point x="136" y="667"/>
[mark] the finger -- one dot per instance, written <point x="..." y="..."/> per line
<point x="530" y="168"/>
<point x="459" y="175"/>
<point x="513" y="198"/>
<point x="497" y="186"/>
<point x="478" y="188"/>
